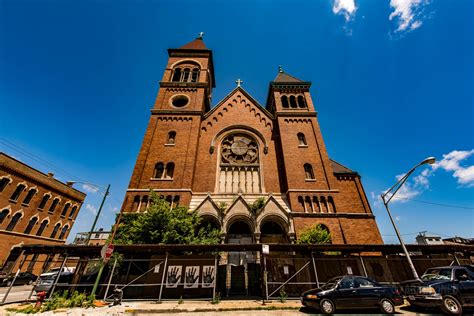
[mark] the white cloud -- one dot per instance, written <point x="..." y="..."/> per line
<point x="398" y="218"/>
<point x="407" y="13"/>
<point x="347" y="8"/>
<point x="452" y="162"/>
<point x="89" y="188"/>
<point x="91" y="208"/>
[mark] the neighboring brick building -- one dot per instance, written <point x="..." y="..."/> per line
<point x="35" y="208"/>
<point x="220" y="160"/>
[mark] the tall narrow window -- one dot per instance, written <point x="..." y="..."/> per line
<point x="195" y="75"/>
<point x="159" y="170"/>
<point x="169" y="170"/>
<point x="177" y="75"/>
<point x="43" y="202"/>
<point x="171" y="138"/>
<point x="13" y="222"/>
<point x="136" y="203"/>
<point x="301" y="101"/>
<point x="308" y="169"/>
<point x="65" y="209"/>
<point x="29" y="196"/>
<point x="186" y="73"/>
<point x="301" y="139"/>
<point x="331" y="204"/>
<point x="73" y="211"/>
<point x="53" y="205"/>
<point x="3" y="215"/>
<point x="42" y="227"/>
<point x="63" y="232"/>
<point x="31" y="224"/>
<point x="293" y="101"/>
<point x="284" y="101"/>
<point x="3" y="183"/>
<point x="55" y="230"/>
<point x="19" y="189"/>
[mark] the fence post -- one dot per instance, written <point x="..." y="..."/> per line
<point x="215" y="277"/>
<point x="315" y="271"/>
<point x="456" y="259"/>
<point x="163" y="277"/>
<point x="363" y="265"/>
<point x="265" y="277"/>
<point x="57" y="277"/>
<point x="16" y="275"/>
<point x="110" y="279"/>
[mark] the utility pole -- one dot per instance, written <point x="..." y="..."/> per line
<point x="97" y="216"/>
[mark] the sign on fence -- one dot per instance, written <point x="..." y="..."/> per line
<point x="107" y="251"/>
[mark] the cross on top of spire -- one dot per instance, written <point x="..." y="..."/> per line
<point x="201" y="34"/>
<point x="280" y="68"/>
<point x="239" y="82"/>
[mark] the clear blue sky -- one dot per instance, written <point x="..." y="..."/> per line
<point x="392" y="85"/>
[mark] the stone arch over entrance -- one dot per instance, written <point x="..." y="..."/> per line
<point x="273" y="230"/>
<point x="240" y="230"/>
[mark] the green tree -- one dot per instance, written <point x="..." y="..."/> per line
<point x="161" y="224"/>
<point x="315" y="235"/>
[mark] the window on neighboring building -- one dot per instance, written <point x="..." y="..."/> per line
<point x="65" y="209"/>
<point x="73" y="211"/>
<point x="19" y="189"/>
<point x="284" y="101"/>
<point x="55" y="230"/>
<point x="13" y="222"/>
<point x="293" y="101"/>
<point x="29" y="196"/>
<point x="301" y="101"/>
<point x="43" y="202"/>
<point x="53" y="205"/>
<point x="31" y="224"/>
<point x="31" y="265"/>
<point x="169" y="170"/>
<point x="171" y="138"/>
<point x="3" y="183"/>
<point x="4" y="215"/>
<point x="63" y="232"/>
<point x="301" y="139"/>
<point x="308" y="169"/>
<point x="42" y="227"/>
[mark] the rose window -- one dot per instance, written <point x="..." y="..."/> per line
<point x="239" y="149"/>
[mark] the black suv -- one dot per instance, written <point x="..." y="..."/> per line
<point x="451" y="288"/>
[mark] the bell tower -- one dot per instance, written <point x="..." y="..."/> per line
<point x="167" y="156"/>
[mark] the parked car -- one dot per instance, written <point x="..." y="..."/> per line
<point x="451" y="288"/>
<point x="352" y="292"/>
<point x="46" y="280"/>
<point x="23" y="278"/>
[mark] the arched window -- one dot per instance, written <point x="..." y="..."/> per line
<point x="4" y="215"/>
<point x="65" y="209"/>
<point x="293" y="101"/>
<point x="186" y="73"/>
<point x="301" y="139"/>
<point x="55" y="230"/>
<point x="43" y="202"/>
<point x="301" y="101"/>
<point x="169" y="199"/>
<point x="63" y="232"/>
<point x="324" y="227"/>
<point x="332" y="206"/>
<point x="171" y="138"/>
<point x="3" y="183"/>
<point x="73" y="211"/>
<point x="169" y="170"/>
<point x="31" y="224"/>
<point x="176" y="199"/>
<point x="42" y="227"/>
<point x="301" y="201"/>
<point x="284" y="101"/>
<point x="308" y="169"/>
<point x="29" y="196"/>
<point x="136" y="203"/>
<point x="13" y="222"/>
<point x="19" y="189"/>
<point x="159" y="170"/>
<point x="53" y="205"/>
<point x="195" y="75"/>
<point x="177" y="75"/>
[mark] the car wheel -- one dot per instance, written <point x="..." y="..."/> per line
<point x="327" y="306"/>
<point x="386" y="306"/>
<point x="451" y="305"/>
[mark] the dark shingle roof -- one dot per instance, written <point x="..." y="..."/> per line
<point x="197" y="43"/>
<point x="284" y="77"/>
<point x="338" y="168"/>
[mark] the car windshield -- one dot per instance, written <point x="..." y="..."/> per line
<point x="330" y="284"/>
<point x="437" y="274"/>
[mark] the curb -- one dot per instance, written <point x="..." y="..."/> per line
<point x="204" y="310"/>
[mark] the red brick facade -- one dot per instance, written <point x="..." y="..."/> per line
<point x="219" y="161"/>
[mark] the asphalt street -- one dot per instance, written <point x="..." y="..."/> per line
<point x="18" y="293"/>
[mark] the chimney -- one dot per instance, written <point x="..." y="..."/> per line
<point x="50" y="174"/>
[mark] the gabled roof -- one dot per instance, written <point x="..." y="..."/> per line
<point x="338" y="168"/>
<point x="283" y="77"/>
<point x="197" y="43"/>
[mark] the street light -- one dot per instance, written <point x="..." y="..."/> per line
<point x="396" y="187"/>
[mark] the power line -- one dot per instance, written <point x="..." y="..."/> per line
<point x="438" y="204"/>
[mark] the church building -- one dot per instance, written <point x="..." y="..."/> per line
<point x="259" y="173"/>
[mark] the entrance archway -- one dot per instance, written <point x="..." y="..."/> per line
<point x="239" y="232"/>
<point x="273" y="233"/>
